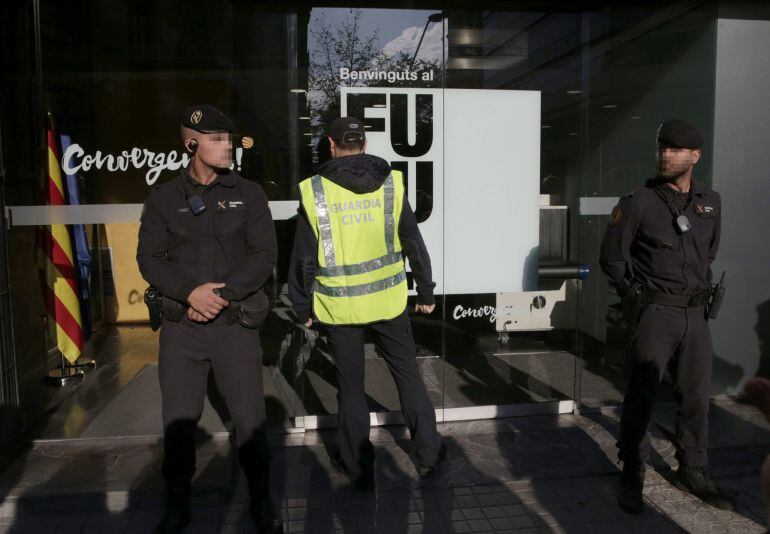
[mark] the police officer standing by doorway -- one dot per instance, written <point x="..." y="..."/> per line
<point x="657" y="252"/>
<point x="207" y="245"/>
<point x="347" y="271"/>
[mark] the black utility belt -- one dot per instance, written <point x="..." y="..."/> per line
<point x="679" y="301"/>
<point x="250" y="312"/>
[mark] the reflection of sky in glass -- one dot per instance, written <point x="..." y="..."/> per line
<point x="399" y="29"/>
<point x="398" y="34"/>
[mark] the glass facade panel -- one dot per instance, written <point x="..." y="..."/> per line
<point x="516" y="130"/>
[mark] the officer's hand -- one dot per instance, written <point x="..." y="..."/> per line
<point x="309" y="323"/>
<point x="206" y="302"/>
<point x="425" y="308"/>
<point x="195" y="316"/>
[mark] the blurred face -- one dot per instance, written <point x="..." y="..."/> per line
<point x="673" y="161"/>
<point x="215" y="149"/>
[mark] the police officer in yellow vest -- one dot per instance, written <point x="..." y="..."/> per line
<point x="347" y="270"/>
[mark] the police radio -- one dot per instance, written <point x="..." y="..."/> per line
<point x="196" y="203"/>
<point x="683" y="224"/>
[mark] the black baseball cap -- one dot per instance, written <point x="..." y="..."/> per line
<point x="205" y="118"/>
<point x="679" y="133"/>
<point x="347" y="130"/>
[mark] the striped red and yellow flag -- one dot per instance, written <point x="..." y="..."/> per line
<point x="57" y="267"/>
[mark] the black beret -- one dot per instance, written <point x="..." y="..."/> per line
<point x="679" y="133"/>
<point x="347" y="129"/>
<point x="205" y="118"/>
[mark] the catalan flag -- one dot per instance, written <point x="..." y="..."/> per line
<point x="59" y="278"/>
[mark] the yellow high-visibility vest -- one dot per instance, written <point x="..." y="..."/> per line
<point x="361" y="277"/>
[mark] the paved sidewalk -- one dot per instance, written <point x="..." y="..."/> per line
<point x="534" y="474"/>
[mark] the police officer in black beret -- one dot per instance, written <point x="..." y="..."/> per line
<point x="657" y="252"/>
<point x="207" y="244"/>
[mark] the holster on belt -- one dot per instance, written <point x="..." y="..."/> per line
<point x="635" y="300"/>
<point x="715" y="296"/>
<point x="162" y="307"/>
<point x="152" y="299"/>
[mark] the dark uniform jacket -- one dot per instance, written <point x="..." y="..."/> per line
<point x="642" y="243"/>
<point x="232" y="241"/>
<point x="360" y="173"/>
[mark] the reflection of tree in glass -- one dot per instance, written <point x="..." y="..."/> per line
<point x="335" y="48"/>
<point x="344" y="46"/>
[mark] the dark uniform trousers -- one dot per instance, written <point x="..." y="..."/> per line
<point x="663" y="333"/>
<point x="188" y="350"/>
<point x="394" y="340"/>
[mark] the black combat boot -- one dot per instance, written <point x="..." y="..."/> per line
<point x="696" y="480"/>
<point x="631" y="485"/>
<point x="177" y="514"/>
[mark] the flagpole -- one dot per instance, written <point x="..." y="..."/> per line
<point x="65" y="374"/>
<point x="69" y="372"/>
